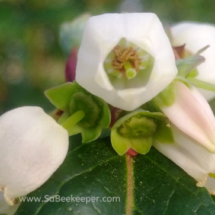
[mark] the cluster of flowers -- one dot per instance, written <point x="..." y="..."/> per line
<point x="147" y="89"/>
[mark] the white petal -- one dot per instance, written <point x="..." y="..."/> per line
<point x="191" y="157"/>
<point x="5" y="208"/>
<point x="197" y="36"/>
<point x="32" y="147"/>
<point x="210" y="185"/>
<point x="192" y="114"/>
<point x="102" y="33"/>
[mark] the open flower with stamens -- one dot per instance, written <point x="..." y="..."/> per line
<point x="126" y="59"/>
<point x="196" y="36"/>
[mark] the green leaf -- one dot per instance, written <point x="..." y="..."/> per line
<point x="187" y="65"/>
<point x="146" y="185"/>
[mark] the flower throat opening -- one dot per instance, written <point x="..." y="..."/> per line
<point x="128" y="66"/>
<point x="126" y="60"/>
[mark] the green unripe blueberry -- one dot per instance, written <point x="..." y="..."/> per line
<point x="138" y="126"/>
<point x="90" y="106"/>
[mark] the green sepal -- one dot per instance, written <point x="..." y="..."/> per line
<point x="212" y="175"/>
<point x="142" y="146"/>
<point x="192" y="74"/>
<point x="164" y="133"/>
<point x="187" y="65"/>
<point x="120" y="144"/>
<point x="192" y="81"/>
<point x="90" y="134"/>
<point x="187" y="71"/>
<point x="60" y="96"/>
<point x="166" y="97"/>
<point x="201" y="84"/>
<point x="183" y="80"/>
<point x="106" y="116"/>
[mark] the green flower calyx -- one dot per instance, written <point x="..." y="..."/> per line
<point x="88" y="104"/>
<point x="138" y="126"/>
<point x="138" y="130"/>
<point x="82" y="112"/>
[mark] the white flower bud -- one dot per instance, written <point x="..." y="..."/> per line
<point x="194" y="159"/>
<point x="32" y="147"/>
<point x="191" y="113"/>
<point x="197" y="36"/>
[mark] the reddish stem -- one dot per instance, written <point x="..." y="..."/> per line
<point x="115" y="112"/>
<point x="70" y="70"/>
<point x="59" y="112"/>
<point x="132" y="153"/>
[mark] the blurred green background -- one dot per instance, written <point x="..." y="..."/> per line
<point x="31" y="59"/>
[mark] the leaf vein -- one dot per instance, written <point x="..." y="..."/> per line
<point x="74" y="176"/>
<point x="175" y="179"/>
<point x="168" y="201"/>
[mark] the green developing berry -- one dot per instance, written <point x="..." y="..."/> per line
<point x="90" y="106"/>
<point x="137" y="127"/>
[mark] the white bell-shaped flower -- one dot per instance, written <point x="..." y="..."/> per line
<point x="5" y="208"/>
<point x="191" y="113"/>
<point x="196" y="36"/>
<point x="32" y="147"/>
<point x="194" y="159"/>
<point x="126" y="59"/>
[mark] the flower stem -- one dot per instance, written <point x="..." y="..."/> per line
<point x="130" y="185"/>
<point x="74" y="119"/>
